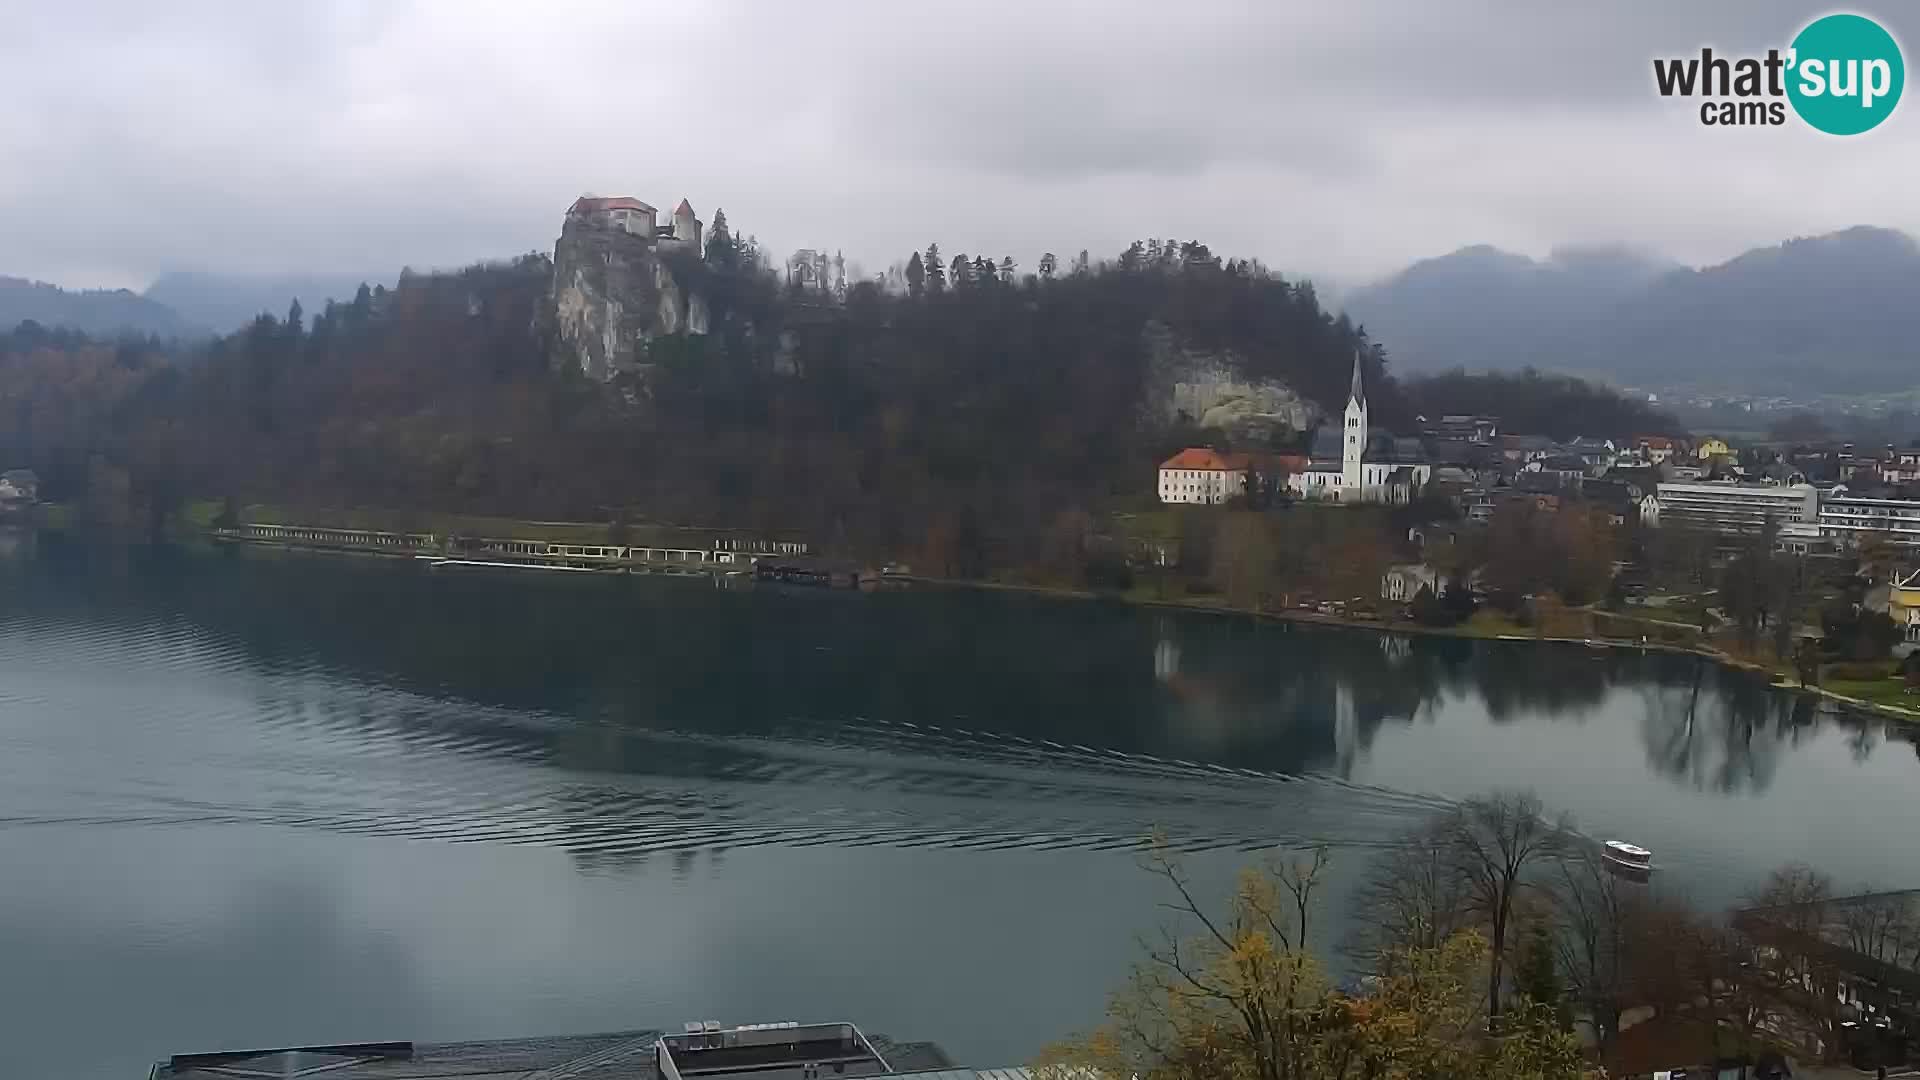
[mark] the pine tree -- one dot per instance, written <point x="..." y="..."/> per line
<point x="1048" y="264"/>
<point x="720" y="242"/>
<point x="958" y="273"/>
<point x="1007" y="268"/>
<point x="1537" y="975"/>
<point x="936" y="270"/>
<point x="916" y="275"/>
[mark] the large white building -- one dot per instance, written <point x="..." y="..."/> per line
<point x="1846" y="518"/>
<point x="1363" y="465"/>
<point x="1200" y="475"/>
<point x="1736" y="508"/>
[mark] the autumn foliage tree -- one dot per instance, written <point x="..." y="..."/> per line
<point x="1238" y="994"/>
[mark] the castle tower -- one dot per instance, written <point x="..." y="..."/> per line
<point x="1353" y="447"/>
<point x="685" y="226"/>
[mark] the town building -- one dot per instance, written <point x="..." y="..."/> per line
<point x="1519" y="449"/>
<point x="1655" y="449"/>
<point x="1846" y="518"/>
<point x="1464" y="427"/>
<point x="1402" y="582"/>
<point x="1712" y="447"/>
<point x="1202" y="476"/>
<point x="1596" y="454"/>
<point x="1736" y="508"/>
<point x="1900" y="466"/>
<point x="1357" y="464"/>
<point x="1903" y="604"/>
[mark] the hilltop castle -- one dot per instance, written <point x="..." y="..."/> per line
<point x="614" y="287"/>
<point x="632" y="216"/>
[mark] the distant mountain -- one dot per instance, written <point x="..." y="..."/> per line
<point x="1838" y="313"/>
<point x="227" y="302"/>
<point x="1483" y="308"/>
<point x="97" y="312"/>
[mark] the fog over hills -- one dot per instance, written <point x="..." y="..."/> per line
<point x="1824" y="314"/>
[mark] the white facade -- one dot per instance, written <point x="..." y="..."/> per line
<point x="1356" y="479"/>
<point x="1201" y="477"/>
<point x="1403" y="582"/>
<point x="1847" y="518"/>
<point x="1353" y="447"/>
<point x="1735" y="508"/>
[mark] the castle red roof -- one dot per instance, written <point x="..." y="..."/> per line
<point x="590" y="205"/>
<point x="1199" y="458"/>
<point x="685" y="207"/>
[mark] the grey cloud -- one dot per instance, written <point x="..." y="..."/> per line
<point x="1344" y="138"/>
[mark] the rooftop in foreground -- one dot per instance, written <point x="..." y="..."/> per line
<point x="621" y="1055"/>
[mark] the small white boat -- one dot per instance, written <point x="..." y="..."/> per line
<point x="1627" y="856"/>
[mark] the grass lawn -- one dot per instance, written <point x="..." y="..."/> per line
<point x="1486" y="623"/>
<point x="1878" y="691"/>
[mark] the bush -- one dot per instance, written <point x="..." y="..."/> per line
<point x="1427" y="610"/>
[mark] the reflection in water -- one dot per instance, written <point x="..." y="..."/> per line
<point x="618" y="718"/>
<point x="1718" y="729"/>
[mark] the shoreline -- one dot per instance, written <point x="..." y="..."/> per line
<point x="1774" y="679"/>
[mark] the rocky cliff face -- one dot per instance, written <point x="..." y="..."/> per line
<point x="1206" y="388"/>
<point x="613" y="294"/>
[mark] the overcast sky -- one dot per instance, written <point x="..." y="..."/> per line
<point x="1338" y="138"/>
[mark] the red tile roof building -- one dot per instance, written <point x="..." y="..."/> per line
<point x="1200" y="475"/>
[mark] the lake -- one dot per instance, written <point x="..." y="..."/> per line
<point x="252" y="799"/>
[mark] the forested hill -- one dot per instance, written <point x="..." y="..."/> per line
<point x="970" y="415"/>
<point x="102" y="313"/>
<point x="1823" y="314"/>
<point x="1538" y="403"/>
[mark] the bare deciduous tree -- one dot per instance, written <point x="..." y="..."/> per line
<point x="1593" y="942"/>
<point x="1494" y="842"/>
<point x="1412" y="898"/>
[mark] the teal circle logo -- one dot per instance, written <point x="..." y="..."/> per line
<point x="1846" y="74"/>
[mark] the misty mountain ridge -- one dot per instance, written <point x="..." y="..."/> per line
<point x="226" y="302"/>
<point x="101" y="313"/>
<point x="1823" y="314"/>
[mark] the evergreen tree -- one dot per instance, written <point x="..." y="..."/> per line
<point x="720" y="251"/>
<point x="958" y="273"/>
<point x="935" y="269"/>
<point x="1537" y="975"/>
<point x="982" y="271"/>
<point x="1047" y="265"/>
<point x="916" y="275"/>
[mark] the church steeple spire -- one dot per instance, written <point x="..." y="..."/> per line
<point x="1358" y="393"/>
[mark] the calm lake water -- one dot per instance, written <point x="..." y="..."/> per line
<point x="252" y="800"/>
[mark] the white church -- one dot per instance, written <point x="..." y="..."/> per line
<point x="1356" y="464"/>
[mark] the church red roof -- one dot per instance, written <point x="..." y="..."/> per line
<point x="685" y="207"/>
<point x="1201" y="459"/>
